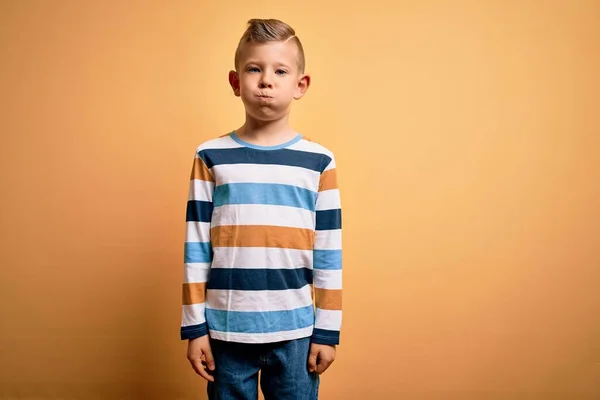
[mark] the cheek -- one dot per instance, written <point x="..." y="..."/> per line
<point x="247" y="86"/>
<point x="291" y="88"/>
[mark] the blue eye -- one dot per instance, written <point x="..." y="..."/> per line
<point x="253" y="69"/>
<point x="281" y="72"/>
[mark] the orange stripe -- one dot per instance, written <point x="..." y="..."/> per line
<point x="262" y="236"/>
<point x="193" y="293"/>
<point x="328" y="180"/>
<point x="199" y="171"/>
<point x="327" y="299"/>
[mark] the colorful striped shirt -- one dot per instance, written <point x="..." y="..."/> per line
<point x="263" y="243"/>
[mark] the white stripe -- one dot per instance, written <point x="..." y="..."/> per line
<point x="262" y="337"/>
<point x="328" y="319"/>
<point x="224" y="142"/>
<point x="260" y="300"/>
<point x="197" y="231"/>
<point x="260" y="173"/>
<point x="195" y="272"/>
<point x="193" y="314"/>
<point x="328" y="200"/>
<point x="312" y="147"/>
<point x="261" y="257"/>
<point x="201" y="190"/>
<point x="327" y="278"/>
<point x="263" y="214"/>
<point x="328" y="240"/>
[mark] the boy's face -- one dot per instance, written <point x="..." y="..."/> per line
<point x="268" y="79"/>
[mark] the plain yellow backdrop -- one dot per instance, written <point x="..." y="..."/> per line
<point x="466" y="135"/>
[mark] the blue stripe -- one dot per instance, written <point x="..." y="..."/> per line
<point x="193" y="331"/>
<point x="260" y="322"/>
<point x="197" y="252"/>
<point x="199" y="211"/>
<point x="327" y="259"/>
<point x="245" y="155"/>
<point x="329" y="219"/>
<point x="264" y="193"/>
<point x="259" y="279"/>
<point x="325" y="336"/>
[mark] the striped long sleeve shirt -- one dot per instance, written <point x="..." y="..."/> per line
<point x="263" y="243"/>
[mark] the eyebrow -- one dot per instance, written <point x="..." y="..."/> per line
<point x="279" y="64"/>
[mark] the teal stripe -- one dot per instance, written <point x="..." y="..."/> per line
<point x="241" y="155"/>
<point x="264" y="193"/>
<point x="327" y="259"/>
<point x="325" y="336"/>
<point x="259" y="322"/>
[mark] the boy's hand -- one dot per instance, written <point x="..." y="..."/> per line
<point x="200" y="356"/>
<point x="320" y="358"/>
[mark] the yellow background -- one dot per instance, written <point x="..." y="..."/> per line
<point x="466" y="135"/>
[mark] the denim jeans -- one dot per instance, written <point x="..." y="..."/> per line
<point x="283" y="371"/>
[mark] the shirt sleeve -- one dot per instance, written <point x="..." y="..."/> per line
<point x="327" y="259"/>
<point x="197" y="250"/>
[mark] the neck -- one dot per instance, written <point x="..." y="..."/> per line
<point x="266" y="133"/>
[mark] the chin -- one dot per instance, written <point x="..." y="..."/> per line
<point x="265" y="113"/>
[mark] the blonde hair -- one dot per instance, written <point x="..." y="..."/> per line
<point x="269" y="30"/>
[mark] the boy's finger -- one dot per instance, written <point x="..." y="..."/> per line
<point x="210" y="361"/>
<point x="312" y="362"/>
<point x="199" y="368"/>
<point x="206" y="375"/>
<point x="323" y="365"/>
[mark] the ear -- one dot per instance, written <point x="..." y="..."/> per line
<point x="303" y="84"/>
<point x="234" y="81"/>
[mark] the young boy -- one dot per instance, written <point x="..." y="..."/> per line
<point x="263" y="265"/>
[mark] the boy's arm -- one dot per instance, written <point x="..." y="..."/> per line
<point x="197" y="250"/>
<point x="327" y="259"/>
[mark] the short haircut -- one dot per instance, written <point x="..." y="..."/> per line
<point x="269" y="30"/>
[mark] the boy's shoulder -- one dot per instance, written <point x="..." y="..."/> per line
<point x="222" y="141"/>
<point x="316" y="151"/>
<point x="313" y="146"/>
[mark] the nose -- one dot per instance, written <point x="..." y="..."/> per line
<point x="265" y="82"/>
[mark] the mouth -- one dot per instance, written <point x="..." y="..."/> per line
<point x="264" y="96"/>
